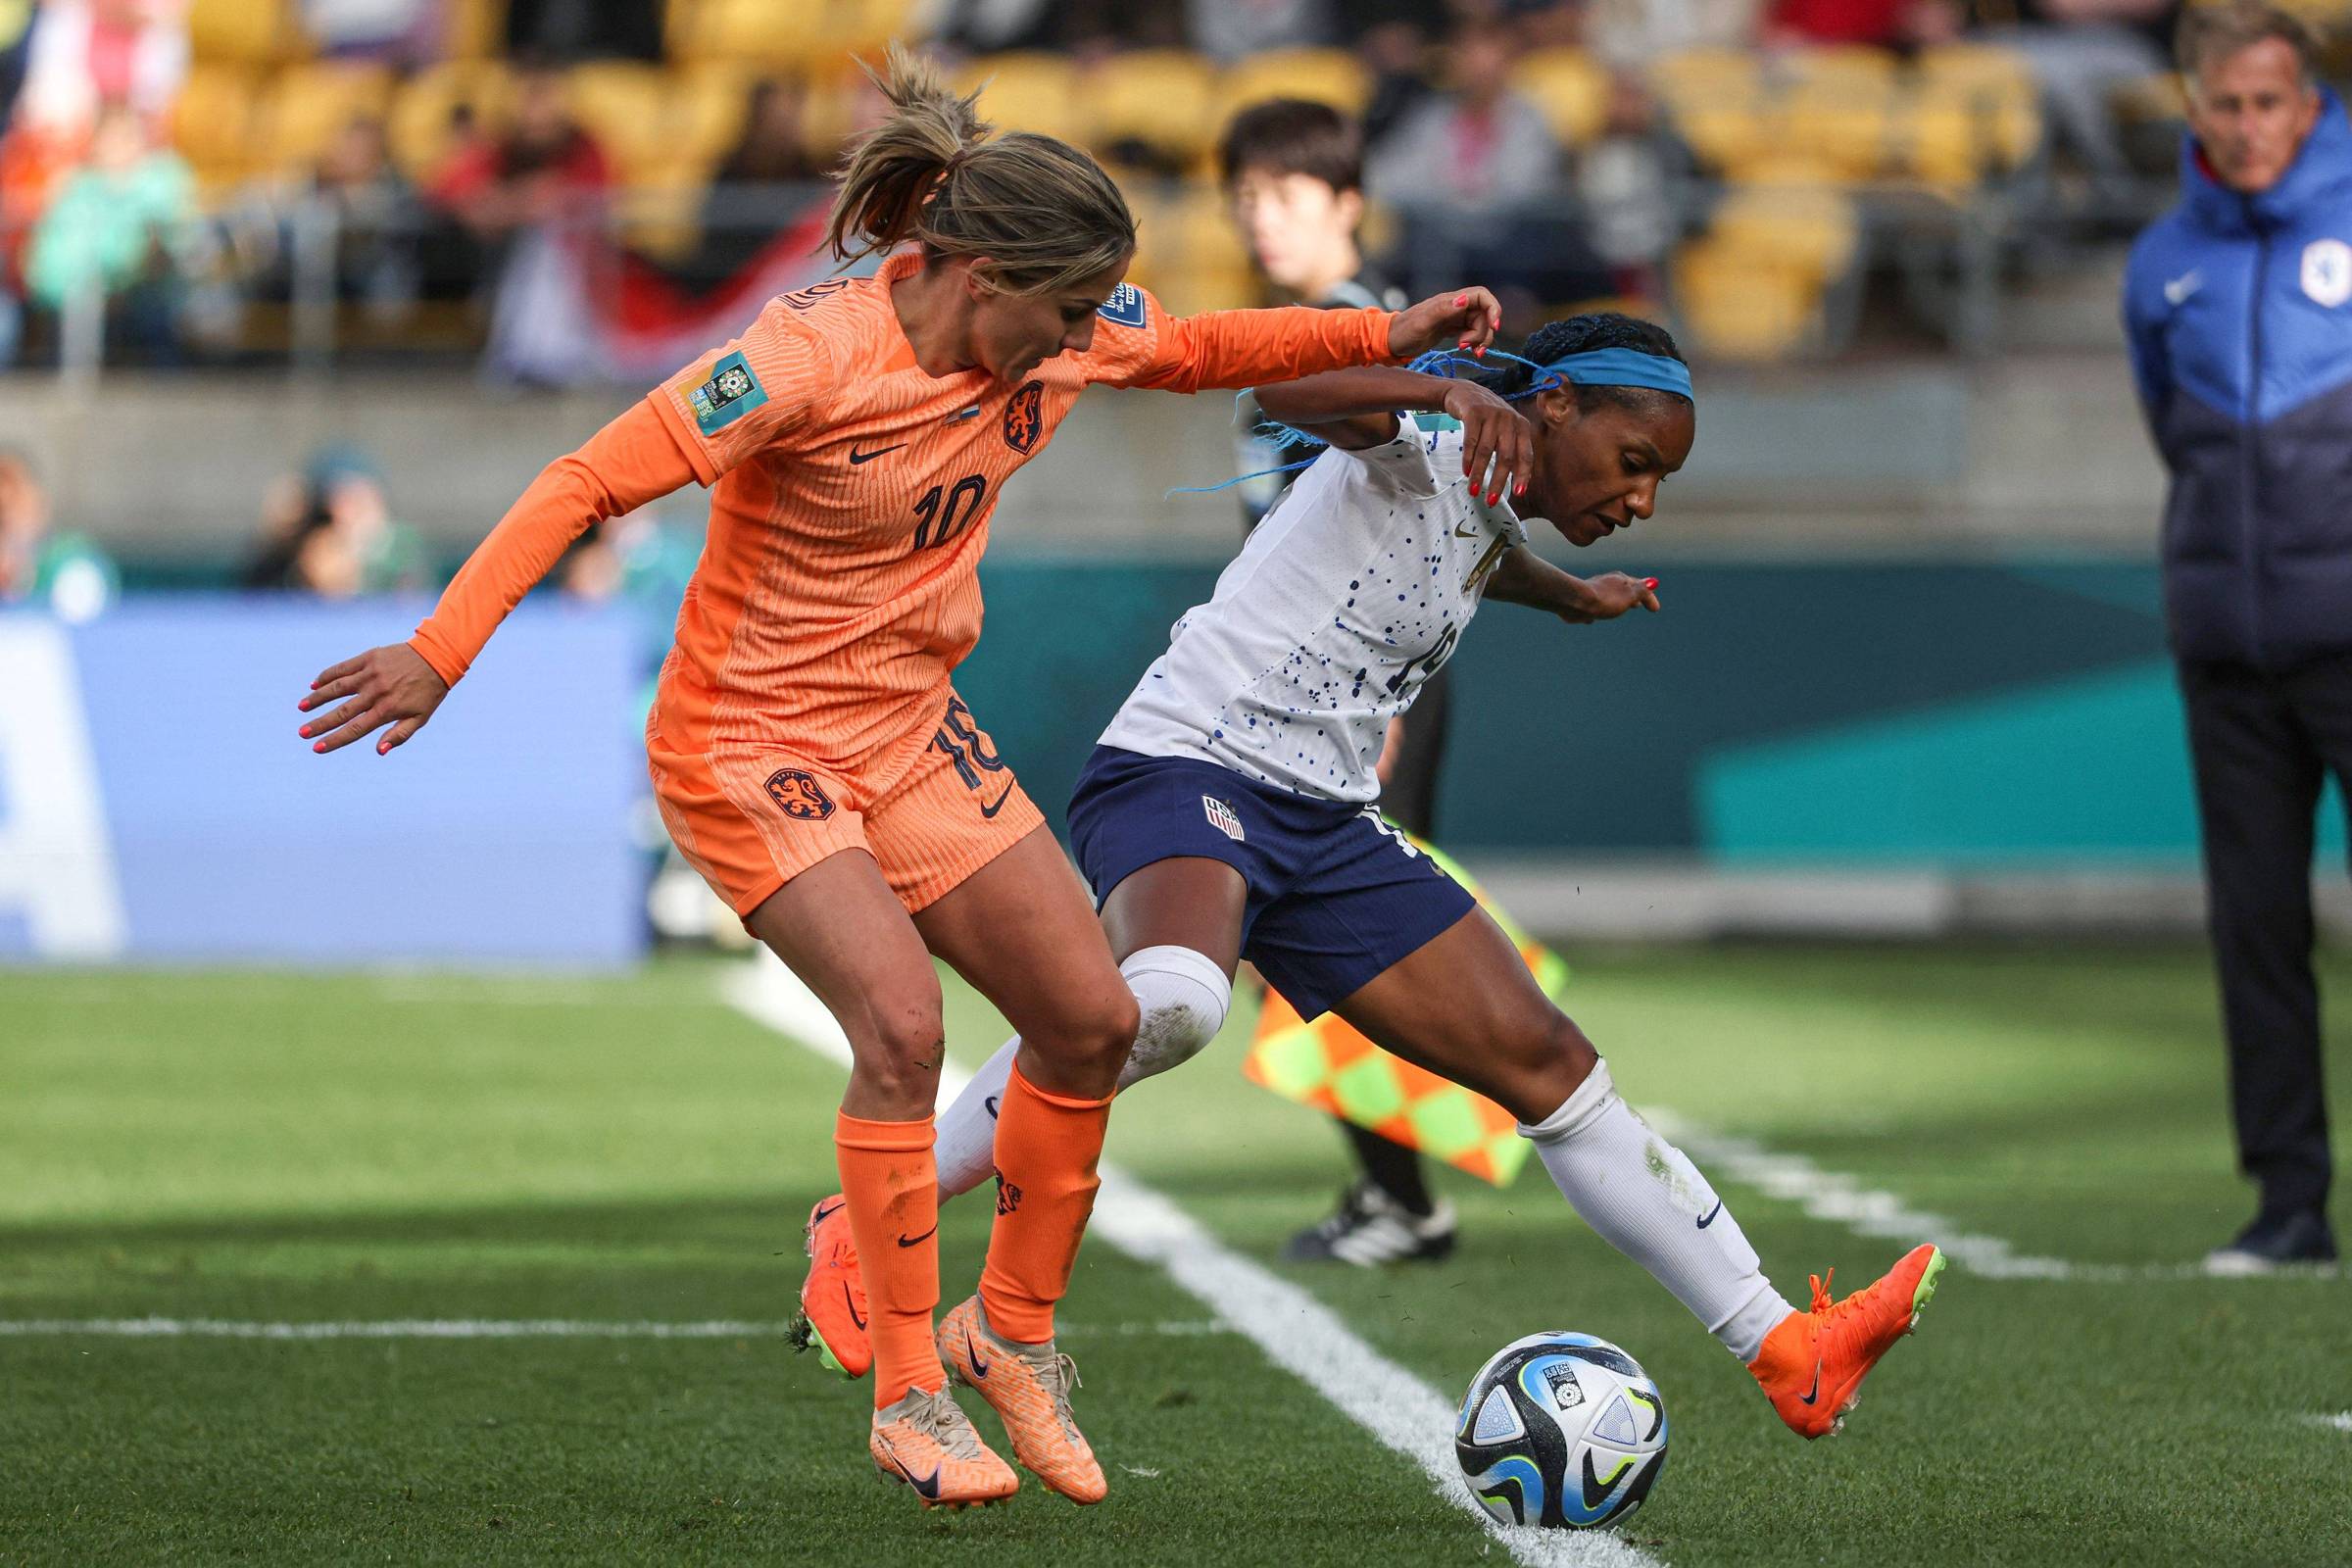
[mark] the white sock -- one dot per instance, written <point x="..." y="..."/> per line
<point x="1645" y="1197"/>
<point x="1182" y="996"/>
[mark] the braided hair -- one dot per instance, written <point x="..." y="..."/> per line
<point x="1585" y="334"/>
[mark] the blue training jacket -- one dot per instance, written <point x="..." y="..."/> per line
<point x="2239" y="314"/>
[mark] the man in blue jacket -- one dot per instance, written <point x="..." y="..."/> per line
<point x="2238" y="306"/>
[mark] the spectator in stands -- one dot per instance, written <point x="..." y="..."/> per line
<point x="1638" y="181"/>
<point x="586" y="29"/>
<point x="1227" y="31"/>
<point x="537" y="194"/>
<point x="63" y="572"/>
<point x="86" y="55"/>
<point x="329" y="531"/>
<point x="1630" y="35"/>
<point x="1475" y="175"/>
<point x="742" y="212"/>
<point x="356" y="197"/>
<point x="115" y="231"/>
<point x="1881" y="23"/>
<point x="2239" y="308"/>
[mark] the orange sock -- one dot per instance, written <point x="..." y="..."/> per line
<point x="892" y="1187"/>
<point x="1047" y="1148"/>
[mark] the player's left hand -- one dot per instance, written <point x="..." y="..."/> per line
<point x="1462" y="319"/>
<point x="1499" y="445"/>
<point x="1608" y="596"/>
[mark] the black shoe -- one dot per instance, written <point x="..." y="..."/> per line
<point x="2273" y="1240"/>
<point x="1371" y="1228"/>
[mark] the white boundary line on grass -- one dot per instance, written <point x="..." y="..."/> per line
<point x="2341" y="1421"/>
<point x="475" y="1328"/>
<point x="1296" y="1332"/>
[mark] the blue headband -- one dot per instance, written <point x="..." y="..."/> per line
<point x="1623" y="368"/>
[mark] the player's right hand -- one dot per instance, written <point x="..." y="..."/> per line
<point x="390" y="685"/>
<point x="1499" y="445"/>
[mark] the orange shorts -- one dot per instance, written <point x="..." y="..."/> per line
<point x="931" y="810"/>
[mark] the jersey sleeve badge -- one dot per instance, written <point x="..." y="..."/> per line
<point x="1126" y="307"/>
<point x="732" y="392"/>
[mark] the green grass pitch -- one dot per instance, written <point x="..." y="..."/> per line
<point x="317" y="1149"/>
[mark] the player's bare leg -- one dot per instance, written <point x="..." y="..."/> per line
<point x="1464" y="1006"/>
<point x="1023" y="931"/>
<point x="839" y="927"/>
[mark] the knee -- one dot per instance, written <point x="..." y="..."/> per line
<point x="901" y="1051"/>
<point x="1092" y="1036"/>
<point x="1181" y="997"/>
<point x="1545" y="1063"/>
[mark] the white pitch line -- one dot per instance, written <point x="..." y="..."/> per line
<point x="1296" y="1331"/>
<point x="2341" y="1421"/>
<point x="213" y="1328"/>
<point x="1843" y="1200"/>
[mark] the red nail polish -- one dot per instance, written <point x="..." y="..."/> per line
<point x="320" y="747"/>
<point x="1461" y="299"/>
<point x="384" y="749"/>
<point x="1480" y="350"/>
<point x="1650" y="582"/>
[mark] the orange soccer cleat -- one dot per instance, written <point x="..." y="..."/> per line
<point x="1029" y="1384"/>
<point x="1813" y="1363"/>
<point x="926" y="1442"/>
<point x="833" y="1316"/>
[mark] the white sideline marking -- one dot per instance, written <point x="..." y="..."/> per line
<point x="1296" y="1332"/>
<point x="474" y="1328"/>
<point x="1843" y="1200"/>
<point x="2341" y="1421"/>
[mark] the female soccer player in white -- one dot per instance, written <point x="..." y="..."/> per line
<point x="1229" y="812"/>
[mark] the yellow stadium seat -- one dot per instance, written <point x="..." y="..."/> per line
<point x="1738" y="305"/>
<point x="1697" y="77"/>
<point x="247" y="31"/>
<point x="212" y="122"/>
<point x="707" y="104"/>
<point x="422" y="106"/>
<point x="815" y="36"/>
<point x="625" y="107"/>
<point x="1190" y="253"/>
<point x="1320" y="75"/>
<point x="1813" y="232"/>
<point x="474" y="30"/>
<point x="1732" y="134"/>
<point x="1954" y="136"/>
<point x="1571" y="89"/>
<point x="1163" y="98"/>
<point x="1856" y="66"/>
<point x="1848" y="129"/>
<point x="1024" y="91"/>
<point x="1976" y="64"/>
<point x="308" y="106"/>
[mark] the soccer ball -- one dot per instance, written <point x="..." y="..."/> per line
<point x="1562" y="1430"/>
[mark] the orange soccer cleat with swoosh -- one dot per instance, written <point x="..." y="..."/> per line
<point x="1812" y="1364"/>
<point x="1029" y="1386"/>
<point x="927" y="1442"/>
<point x="833" y="1313"/>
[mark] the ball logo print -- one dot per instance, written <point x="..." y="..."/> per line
<point x="1562" y="1430"/>
<point x="2328" y="272"/>
<point x="799" y="796"/>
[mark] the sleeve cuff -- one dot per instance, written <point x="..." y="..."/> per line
<point x="445" y="661"/>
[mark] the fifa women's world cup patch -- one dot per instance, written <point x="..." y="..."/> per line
<point x="732" y="392"/>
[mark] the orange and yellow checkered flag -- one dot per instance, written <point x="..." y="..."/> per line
<point x="1328" y="1065"/>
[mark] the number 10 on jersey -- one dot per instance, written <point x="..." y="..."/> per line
<point x="946" y="510"/>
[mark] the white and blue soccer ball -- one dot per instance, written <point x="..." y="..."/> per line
<point x="1562" y="1430"/>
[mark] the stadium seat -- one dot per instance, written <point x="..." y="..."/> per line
<point x="254" y="33"/>
<point x="810" y="36"/>
<point x="1320" y="75"/>
<point x="1813" y="232"/>
<point x="1025" y="91"/>
<point x="422" y="106"/>
<point x="706" y="107"/>
<point x="474" y="30"/>
<point x="307" y="104"/>
<point x="1570" y="87"/>
<point x="1190" y="253"/>
<point x="1851" y="65"/>
<point x="1953" y="135"/>
<point x="1847" y="128"/>
<point x="1977" y="65"/>
<point x="624" y="106"/>
<point x="1719" y="105"/>
<point x="1166" y="99"/>
<point x="212" y="122"/>
<point x="1731" y="305"/>
<point x="1698" y="76"/>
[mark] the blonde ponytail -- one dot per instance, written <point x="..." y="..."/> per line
<point x="1042" y="212"/>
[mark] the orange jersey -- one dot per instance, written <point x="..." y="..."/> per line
<point x="850" y="500"/>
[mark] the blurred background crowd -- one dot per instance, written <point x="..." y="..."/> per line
<point x="572" y="186"/>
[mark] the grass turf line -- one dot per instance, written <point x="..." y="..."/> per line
<point x="348" y="1147"/>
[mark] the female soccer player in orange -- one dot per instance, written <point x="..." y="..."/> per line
<point x="809" y="752"/>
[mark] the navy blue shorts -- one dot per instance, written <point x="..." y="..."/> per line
<point x="1336" y="895"/>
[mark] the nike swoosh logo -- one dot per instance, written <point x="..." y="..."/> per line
<point x="1460" y="532"/>
<point x="857" y="456"/>
<point x="1711" y="1213"/>
<point x="850" y="1302"/>
<point x="991" y="1104"/>
<point x="972" y="1346"/>
<point x="1816" y="1393"/>
<point x="822" y="1215"/>
<point x="990" y="811"/>
<point x="918" y="1241"/>
<point x="2179" y="289"/>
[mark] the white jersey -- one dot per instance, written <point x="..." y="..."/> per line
<point x="1347" y="596"/>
